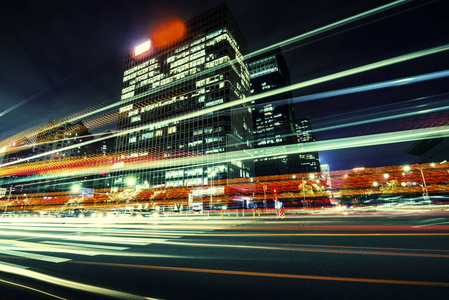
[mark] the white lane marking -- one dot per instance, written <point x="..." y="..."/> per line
<point x="48" y="258"/>
<point x="85" y="245"/>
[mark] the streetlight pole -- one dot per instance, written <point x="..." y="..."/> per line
<point x="425" y="192"/>
<point x="424" y="185"/>
<point x="265" y="198"/>
<point x="303" y="190"/>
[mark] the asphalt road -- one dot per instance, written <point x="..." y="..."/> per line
<point x="359" y="255"/>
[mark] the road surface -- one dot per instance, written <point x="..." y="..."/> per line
<point x="360" y="255"/>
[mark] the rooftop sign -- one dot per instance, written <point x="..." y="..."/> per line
<point x="144" y="47"/>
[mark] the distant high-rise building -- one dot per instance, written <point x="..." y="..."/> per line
<point x="20" y="149"/>
<point x="274" y="118"/>
<point x="60" y="136"/>
<point x="308" y="162"/>
<point x="48" y="146"/>
<point x="184" y="68"/>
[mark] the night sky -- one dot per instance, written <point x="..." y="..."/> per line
<point x="60" y="57"/>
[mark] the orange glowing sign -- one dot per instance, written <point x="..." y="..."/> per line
<point x="144" y="47"/>
<point x="169" y="34"/>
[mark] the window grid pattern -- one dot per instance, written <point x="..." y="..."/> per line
<point x="192" y="74"/>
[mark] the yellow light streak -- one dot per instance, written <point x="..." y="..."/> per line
<point x="274" y="275"/>
<point x="33" y="289"/>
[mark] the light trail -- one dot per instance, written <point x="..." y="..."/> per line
<point x="412" y="110"/>
<point x="376" y="248"/>
<point x="280" y="44"/>
<point x="304" y="249"/>
<point x="273" y="275"/>
<point x="428" y="110"/>
<point x="342" y="74"/>
<point x="18" y="253"/>
<point x="22" y="250"/>
<point x="66" y="283"/>
<point x="341" y="143"/>
<point x="404" y="106"/>
<point x="375" y="86"/>
<point x="386" y="118"/>
<point x="102" y="239"/>
<point x="30" y="288"/>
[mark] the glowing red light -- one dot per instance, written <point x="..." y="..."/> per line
<point x="169" y="34"/>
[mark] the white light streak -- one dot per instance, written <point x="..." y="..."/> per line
<point x="66" y="283"/>
<point x="280" y="44"/>
<point x="48" y="258"/>
<point x="338" y="75"/>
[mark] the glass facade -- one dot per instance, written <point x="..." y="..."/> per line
<point x="165" y="84"/>
<point x="274" y="120"/>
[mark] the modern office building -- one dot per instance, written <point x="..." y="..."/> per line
<point x="308" y="162"/>
<point x="185" y="68"/>
<point x="274" y="119"/>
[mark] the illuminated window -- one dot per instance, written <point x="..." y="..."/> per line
<point x="135" y="119"/>
<point x="158" y="132"/>
<point x="126" y="108"/>
<point x="197" y="132"/>
<point x="171" y="129"/>
<point x="213" y="103"/>
<point x="146" y="136"/>
<point x="133" y="113"/>
<point x="128" y="95"/>
<point x="195" y="143"/>
<point x="130" y="88"/>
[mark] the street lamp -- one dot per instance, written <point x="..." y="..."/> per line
<point x="424" y="185"/>
<point x="311" y="176"/>
<point x="130" y="181"/>
<point x="76" y="188"/>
